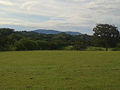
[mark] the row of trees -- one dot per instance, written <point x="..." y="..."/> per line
<point x="105" y="35"/>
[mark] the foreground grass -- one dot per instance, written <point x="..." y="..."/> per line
<point x="59" y="70"/>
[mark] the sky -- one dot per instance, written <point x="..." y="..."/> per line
<point x="63" y="15"/>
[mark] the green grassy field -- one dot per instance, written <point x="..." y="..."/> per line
<point x="59" y="70"/>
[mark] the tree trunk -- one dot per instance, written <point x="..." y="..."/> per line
<point x="106" y="46"/>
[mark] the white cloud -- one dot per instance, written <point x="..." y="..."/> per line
<point x="63" y="14"/>
<point x="6" y="3"/>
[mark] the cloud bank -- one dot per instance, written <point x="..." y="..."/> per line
<point x="72" y="15"/>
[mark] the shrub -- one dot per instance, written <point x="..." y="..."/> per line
<point x="95" y="49"/>
<point x="26" y="44"/>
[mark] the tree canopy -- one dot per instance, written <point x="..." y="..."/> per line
<point x="108" y="34"/>
<point x="105" y="35"/>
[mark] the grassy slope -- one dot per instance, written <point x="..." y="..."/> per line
<point x="59" y="70"/>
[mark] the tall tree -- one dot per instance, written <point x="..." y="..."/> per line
<point x="106" y="33"/>
<point x="4" y="38"/>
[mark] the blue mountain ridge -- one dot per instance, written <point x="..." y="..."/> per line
<point x="44" y="31"/>
<point x="33" y="29"/>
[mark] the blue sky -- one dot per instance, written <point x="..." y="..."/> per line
<point x="64" y="15"/>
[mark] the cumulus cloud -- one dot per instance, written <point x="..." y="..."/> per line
<point x="6" y="3"/>
<point x="73" y="15"/>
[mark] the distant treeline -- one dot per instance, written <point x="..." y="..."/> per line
<point x="105" y="36"/>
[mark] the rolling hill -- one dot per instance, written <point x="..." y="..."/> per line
<point x="44" y="31"/>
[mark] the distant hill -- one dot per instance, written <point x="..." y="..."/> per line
<point x="33" y="29"/>
<point x="44" y="31"/>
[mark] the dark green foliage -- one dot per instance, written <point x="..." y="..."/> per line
<point x="5" y="32"/>
<point x="106" y="34"/>
<point x="26" y="44"/>
<point x="23" y="41"/>
<point x="117" y="48"/>
<point x="80" y="45"/>
<point x="42" y="45"/>
<point x="5" y="43"/>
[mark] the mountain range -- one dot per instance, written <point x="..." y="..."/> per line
<point x="44" y="31"/>
<point x="33" y="29"/>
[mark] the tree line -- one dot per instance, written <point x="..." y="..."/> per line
<point x="105" y="35"/>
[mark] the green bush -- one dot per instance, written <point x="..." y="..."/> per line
<point x="80" y="46"/>
<point x="26" y="44"/>
<point x="68" y="48"/>
<point x="95" y="49"/>
<point x="117" y="48"/>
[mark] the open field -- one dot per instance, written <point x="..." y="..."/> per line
<point x="59" y="70"/>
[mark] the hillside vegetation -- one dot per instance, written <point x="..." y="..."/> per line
<point x="105" y="36"/>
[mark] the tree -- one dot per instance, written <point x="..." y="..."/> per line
<point x="42" y="45"/>
<point x="26" y="44"/>
<point x="80" y="45"/>
<point x="56" y="45"/>
<point x="107" y="34"/>
<point x="4" y="38"/>
<point x="6" y="31"/>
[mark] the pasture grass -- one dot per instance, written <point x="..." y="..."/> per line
<point x="60" y="70"/>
